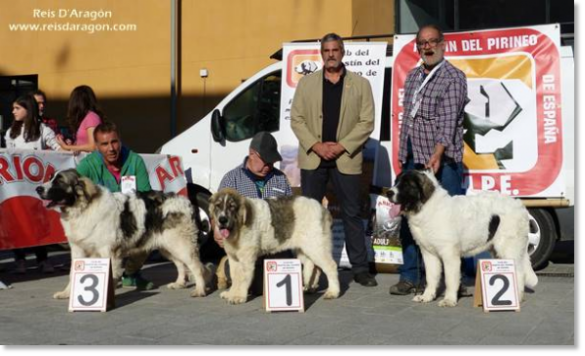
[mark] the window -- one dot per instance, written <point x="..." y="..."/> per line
<point x="254" y="110"/>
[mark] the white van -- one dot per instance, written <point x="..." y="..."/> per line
<point x="208" y="151"/>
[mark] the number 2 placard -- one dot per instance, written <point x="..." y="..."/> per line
<point x="283" y="285"/>
<point x="91" y="285"/>
<point x="495" y="285"/>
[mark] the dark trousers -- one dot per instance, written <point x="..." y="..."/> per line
<point x="40" y="252"/>
<point x="348" y="194"/>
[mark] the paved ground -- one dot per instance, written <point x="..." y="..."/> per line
<point x="361" y="316"/>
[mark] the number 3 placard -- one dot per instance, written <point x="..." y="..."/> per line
<point x="91" y="285"/>
<point x="495" y="285"/>
<point x="283" y="285"/>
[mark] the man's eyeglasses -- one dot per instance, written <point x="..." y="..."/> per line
<point x="433" y="42"/>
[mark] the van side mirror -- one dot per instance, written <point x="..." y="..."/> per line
<point x="217" y="126"/>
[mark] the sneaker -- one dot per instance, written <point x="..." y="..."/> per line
<point x="20" y="267"/>
<point x="46" y="267"/>
<point x="402" y="288"/>
<point x="137" y="281"/>
<point x="365" y="279"/>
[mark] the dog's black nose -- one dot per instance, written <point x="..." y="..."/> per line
<point x="222" y="220"/>
<point x="40" y="190"/>
<point x="390" y="194"/>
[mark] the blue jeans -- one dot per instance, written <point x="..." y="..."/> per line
<point x="450" y="175"/>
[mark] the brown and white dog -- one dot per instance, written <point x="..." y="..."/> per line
<point x="254" y="227"/>
<point x="101" y="224"/>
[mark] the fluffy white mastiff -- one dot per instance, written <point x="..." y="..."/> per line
<point x="101" y="224"/>
<point x="255" y="227"/>
<point x="449" y="227"/>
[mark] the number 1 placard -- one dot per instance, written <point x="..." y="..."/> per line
<point x="91" y="285"/>
<point x="495" y="285"/>
<point x="283" y="285"/>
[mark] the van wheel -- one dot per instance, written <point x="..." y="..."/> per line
<point x="542" y="237"/>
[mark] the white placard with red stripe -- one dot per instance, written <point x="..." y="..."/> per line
<point x="496" y="286"/>
<point x="91" y="285"/>
<point x="283" y="285"/>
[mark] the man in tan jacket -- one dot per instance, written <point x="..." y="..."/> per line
<point x="332" y="115"/>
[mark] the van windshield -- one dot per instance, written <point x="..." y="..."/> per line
<point x="256" y="109"/>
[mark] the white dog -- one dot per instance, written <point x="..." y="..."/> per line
<point x="101" y="224"/>
<point x="254" y="227"/>
<point x="447" y="228"/>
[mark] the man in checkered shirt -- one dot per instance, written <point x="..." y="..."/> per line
<point x="431" y="135"/>
<point x="256" y="177"/>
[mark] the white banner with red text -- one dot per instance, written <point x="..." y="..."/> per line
<point x="25" y="222"/>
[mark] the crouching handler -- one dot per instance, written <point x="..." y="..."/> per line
<point x="106" y="166"/>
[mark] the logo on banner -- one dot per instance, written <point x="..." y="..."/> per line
<point x="302" y="62"/>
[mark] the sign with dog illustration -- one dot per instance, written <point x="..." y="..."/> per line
<point x="283" y="285"/>
<point x="92" y="287"/>
<point x="496" y="285"/>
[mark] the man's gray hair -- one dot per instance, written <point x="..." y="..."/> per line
<point x="434" y="27"/>
<point x="332" y="37"/>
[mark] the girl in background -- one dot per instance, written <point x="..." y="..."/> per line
<point x="83" y="115"/>
<point x="27" y="132"/>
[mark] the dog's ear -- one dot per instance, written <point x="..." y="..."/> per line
<point x="86" y="188"/>
<point x="246" y="212"/>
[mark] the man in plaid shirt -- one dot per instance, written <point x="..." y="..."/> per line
<point x="431" y="135"/>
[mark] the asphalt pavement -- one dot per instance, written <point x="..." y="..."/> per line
<point x="361" y="316"/>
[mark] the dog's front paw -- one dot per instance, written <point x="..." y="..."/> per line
<point x="61" y="295"/>
<point x="198" y="292"/>
<point x="448" y="303"/>
<point x="423" y="298"/>
<point x="176" y="285"/>
<point x="238" y="299"/>
<point x="225" y="294"/>
<point x="331" y="294"/>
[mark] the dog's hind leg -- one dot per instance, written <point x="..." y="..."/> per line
<point x="183" y="253"/>
<point x="76" y="252"/>
<point x="222" y="281"/>
<point x="310" y="273"/>
<point x="452" y="261"/>
<point x="199" y="272"/>
<point x="324" y="261"/>
<point x="181" y="281"/>
<point x="433" y="272"/>
<point x="531" y="280"/>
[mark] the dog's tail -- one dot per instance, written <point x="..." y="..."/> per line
<point x="531" y="280"/>
<point x="327" y="220"/>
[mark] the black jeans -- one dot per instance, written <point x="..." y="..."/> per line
<point x="349" y="195"/>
